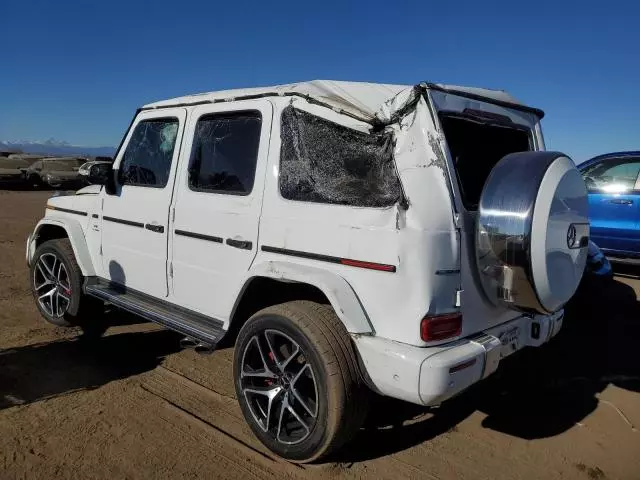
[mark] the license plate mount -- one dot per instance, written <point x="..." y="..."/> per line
<point x="509" y="340"/>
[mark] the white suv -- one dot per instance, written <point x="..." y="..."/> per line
<point x="349" y="236"/>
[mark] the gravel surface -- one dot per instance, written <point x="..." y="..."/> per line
<point x="133" y="405"/>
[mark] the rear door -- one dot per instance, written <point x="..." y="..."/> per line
<point x="218" y="204"/>
<point x="614" y="204"/>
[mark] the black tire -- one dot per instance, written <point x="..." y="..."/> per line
<point x="81" y="307"/>
<point x="341" y="396"/>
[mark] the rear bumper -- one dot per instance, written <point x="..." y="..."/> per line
<point x="428" y="376"/>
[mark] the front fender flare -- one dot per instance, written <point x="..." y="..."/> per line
<point x="338" y="291"/>
<point x="75" y="233"/>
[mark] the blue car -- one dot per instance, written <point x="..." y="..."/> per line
<point x="613" y="182"/>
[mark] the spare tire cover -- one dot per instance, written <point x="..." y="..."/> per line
<point x="532" y="231"/>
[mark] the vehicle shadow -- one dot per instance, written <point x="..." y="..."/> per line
<point x="626" y="271"/>
<point x="47" y="370"/>
<point x="538" y="393"/>
<point x="112" y="317"/>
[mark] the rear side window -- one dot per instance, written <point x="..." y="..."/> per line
<point x="323" y="162"/>
<point x="617" y="175"/>
<point x="147" y="159"/>
<point x="225" y="153"/>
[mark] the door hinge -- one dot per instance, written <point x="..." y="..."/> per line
<point x="173" y="215"/>
<point x="171" y="270"/>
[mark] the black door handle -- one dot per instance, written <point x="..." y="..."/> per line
<point x="154" y="228"/>
<point x="242" y="244"/>
<point x="621" y="201"/>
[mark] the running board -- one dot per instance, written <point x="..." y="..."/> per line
<point x="192" y="324"/>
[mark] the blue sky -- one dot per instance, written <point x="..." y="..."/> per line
<point x="76" y="70"/>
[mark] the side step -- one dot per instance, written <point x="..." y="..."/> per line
<point x="205" y="329"/>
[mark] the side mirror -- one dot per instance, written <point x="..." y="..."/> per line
<point x="99" y="173"/>
<point x="103" y="174"/>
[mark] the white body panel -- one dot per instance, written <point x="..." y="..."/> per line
<point x="207" y="275"/>
<point x="339" y="293"/>
<point x="430" y="243"/>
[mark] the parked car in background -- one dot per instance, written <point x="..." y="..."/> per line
<point x="57" y="172"/>
<point x="613" y="184"/>
<point x="12" y="171"/>
<point x="30" y="158"/>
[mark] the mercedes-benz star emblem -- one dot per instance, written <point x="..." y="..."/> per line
<point x="572" y="236"/>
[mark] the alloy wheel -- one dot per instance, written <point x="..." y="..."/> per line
<point x="52" y="285"/>
<point x="279" y="386"/>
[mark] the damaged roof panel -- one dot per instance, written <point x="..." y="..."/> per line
<point x="361" y="99"/>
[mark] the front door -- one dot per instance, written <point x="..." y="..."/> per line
<point x="135" y="221"/>
<point x="218" y="203"/>
<point x="614" y="204"/>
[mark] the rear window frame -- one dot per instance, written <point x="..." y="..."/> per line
<point x="531" y="140"/>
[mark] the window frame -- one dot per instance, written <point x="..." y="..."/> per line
<point x="257" y="157"/>
<point x="341" y="121"/>
<point x="442" y="114"/>
<point x="120" y="174"/>
<point x="635" y="190"/>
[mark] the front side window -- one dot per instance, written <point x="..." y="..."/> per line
<point x="147" y="160"/>
<point x="225" y="153"/>
<point x="613" y="176"/>
<point x="324" y="162"/>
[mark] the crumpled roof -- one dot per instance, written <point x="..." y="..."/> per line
<point x="358" y="98"/>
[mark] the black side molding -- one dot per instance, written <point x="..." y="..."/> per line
<point x="381" y="267"/>
<point x="67" y="210"/>
<point x="199" y="236"/>
<point x="123" y="222"/>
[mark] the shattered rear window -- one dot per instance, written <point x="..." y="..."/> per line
<point x="324" y="162"/>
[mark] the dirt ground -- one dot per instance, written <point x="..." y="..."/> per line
<point x="133" y="405"/>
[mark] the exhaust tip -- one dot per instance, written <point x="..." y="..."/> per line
<point x="204" y="349"/>
<point x="188" y="342"/>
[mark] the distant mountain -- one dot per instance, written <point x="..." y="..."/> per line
<point x="56" y="147"/>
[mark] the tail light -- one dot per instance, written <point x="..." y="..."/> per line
<point x="440" y="327"/>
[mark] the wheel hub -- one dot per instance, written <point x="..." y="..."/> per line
<point x="285" y="381"/>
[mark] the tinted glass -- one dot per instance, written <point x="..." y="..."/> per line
<point x="225" y="152"/>
<point x="613" y="176"/>
<point x="147" y="159"/>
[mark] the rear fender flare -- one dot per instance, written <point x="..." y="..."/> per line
<point x="338" y="291"/>
<point x="75" y="233"/>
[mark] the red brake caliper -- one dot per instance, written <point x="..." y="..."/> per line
<point x="270" y="382"/>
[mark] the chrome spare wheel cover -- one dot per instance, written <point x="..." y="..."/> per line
<point x="52" y="285"/>
<point x="532" y="232"/>
<point x="279" y="386"/>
